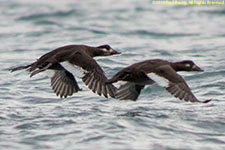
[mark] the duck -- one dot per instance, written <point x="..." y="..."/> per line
<point x="66" y="63"/>
<point x="161" y="72"/>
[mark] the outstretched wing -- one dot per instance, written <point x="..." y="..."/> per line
<point x="166" y="77"/>
<point x="63" y="83"/>
<point x="129" y="91"/>
<point x="82" y="65"/>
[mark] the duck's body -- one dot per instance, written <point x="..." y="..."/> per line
<point x="157" y="71"/>
<point x="71" y="61"/>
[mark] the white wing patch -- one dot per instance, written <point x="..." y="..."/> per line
<point x="73" y="69"/>
<point x="161" y="81"/>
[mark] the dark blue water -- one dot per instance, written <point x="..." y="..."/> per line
<point x="32" y="117"/>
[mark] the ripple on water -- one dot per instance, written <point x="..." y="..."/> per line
<point x="56" y="14"/>
<point x="33" y="117"/>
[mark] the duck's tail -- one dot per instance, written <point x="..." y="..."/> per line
<point x="21" y="67"/>
<point x="30" y="68"/>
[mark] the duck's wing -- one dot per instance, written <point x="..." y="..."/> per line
<point x="169" y="79"/>
<point x="82" y="65"/>
<point x="63" y="83"/>
<point x="129" y="91"/>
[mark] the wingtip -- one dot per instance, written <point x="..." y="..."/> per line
<point x="31" y="75"/>
<point x="206" y="101"/>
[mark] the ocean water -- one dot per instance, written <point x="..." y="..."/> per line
<point x="33" y="117"/>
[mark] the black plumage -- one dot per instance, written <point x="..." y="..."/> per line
<point x="157" y="71"/>
<point x="71" y="61"/>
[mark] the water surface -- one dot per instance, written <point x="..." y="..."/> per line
<point x="32" y="117"/>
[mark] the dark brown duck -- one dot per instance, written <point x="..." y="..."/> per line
<point x="71" y="61"/>
<point x="157" y="71"/>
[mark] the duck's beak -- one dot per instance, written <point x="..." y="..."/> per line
<point x="201" y="70"/>
<point x="196" y="68"/>
<point x="114" y="52"/>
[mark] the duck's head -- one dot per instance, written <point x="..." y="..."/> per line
<point x="105" y="50"/>
<point x="186" y="65"/>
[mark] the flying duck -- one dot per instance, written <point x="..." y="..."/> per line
<point x="157" y="71"/>
<point x="71" y="61"/>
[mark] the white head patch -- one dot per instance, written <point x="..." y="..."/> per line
<point x="111" y="50"/>
<point x="187" y="65"/>
<point x="105" y="50"/>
